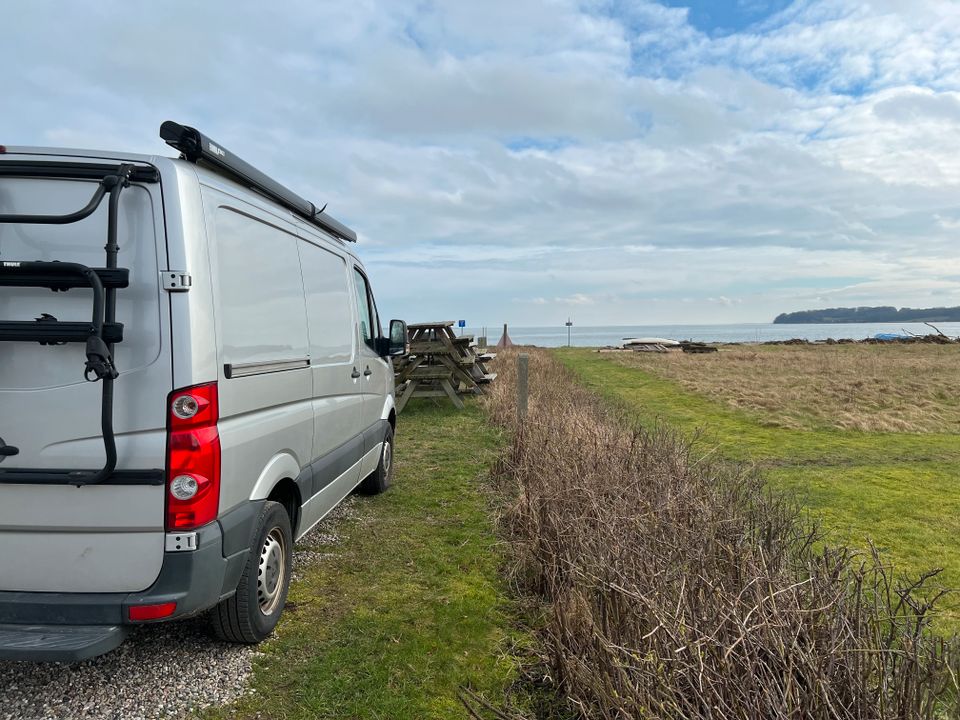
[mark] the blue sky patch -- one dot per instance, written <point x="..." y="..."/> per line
<point x="549" y="144"/>
<point x="726" y="17"/>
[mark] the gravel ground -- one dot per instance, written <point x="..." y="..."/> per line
<point x="161" y="671"/>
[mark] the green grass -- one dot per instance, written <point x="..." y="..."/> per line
<point x="898" y="490"/>
<point x="410" y="606"/>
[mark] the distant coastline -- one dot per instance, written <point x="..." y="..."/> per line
<point x="882" y="314"/>
<point x="613" y="335"/>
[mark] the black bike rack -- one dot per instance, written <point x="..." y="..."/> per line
<point x="103" y="331"/>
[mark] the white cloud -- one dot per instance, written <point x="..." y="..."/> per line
<point x="576" y="299"/>
<point x="523" y="159"/>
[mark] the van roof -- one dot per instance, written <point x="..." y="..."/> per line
<point x="78" y="152"/>
<point x="158" y="160"/>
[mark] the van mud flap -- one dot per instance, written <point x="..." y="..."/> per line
<point x="58" y="643"/>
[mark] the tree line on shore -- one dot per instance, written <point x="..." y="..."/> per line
<point x="870" y="314"/>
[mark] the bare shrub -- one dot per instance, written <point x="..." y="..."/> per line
<point x="679" y="587"/>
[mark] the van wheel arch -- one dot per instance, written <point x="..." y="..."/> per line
<point x="287" y="494"/>
<point x="380" y="479"/>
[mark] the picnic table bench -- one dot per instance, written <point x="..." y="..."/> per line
<point x="440" y="363"/>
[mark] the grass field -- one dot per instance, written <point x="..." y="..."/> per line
<point x="408" y="606"/>
<point x="767" y="406"/>
<point x="889" y="388"/>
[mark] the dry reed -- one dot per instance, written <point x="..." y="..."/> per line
<point x="679" y="587"/>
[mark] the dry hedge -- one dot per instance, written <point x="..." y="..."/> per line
<point x="676" y="586"/>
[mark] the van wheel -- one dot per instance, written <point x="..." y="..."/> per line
<point x="381" y="478"/>
<point x="253" y="611"/>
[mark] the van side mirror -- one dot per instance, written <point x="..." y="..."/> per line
<point x="398" y="339"/>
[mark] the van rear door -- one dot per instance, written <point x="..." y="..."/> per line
<point x="57" y="537"/>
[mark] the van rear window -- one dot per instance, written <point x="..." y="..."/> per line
<point x="28" y="366"/>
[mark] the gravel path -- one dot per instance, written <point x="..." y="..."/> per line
<point x="161" y="671"/>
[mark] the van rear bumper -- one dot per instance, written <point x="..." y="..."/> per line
<point x="195" y="580"/>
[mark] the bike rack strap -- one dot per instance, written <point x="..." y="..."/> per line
<point x="54" y="332"/>
<point x="57" y="275"/>
<point x="41" y="476"/>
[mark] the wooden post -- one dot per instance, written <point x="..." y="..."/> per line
<point x="523" y="361"/>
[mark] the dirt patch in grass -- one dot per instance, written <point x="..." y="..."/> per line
<point x="873" y="388"/>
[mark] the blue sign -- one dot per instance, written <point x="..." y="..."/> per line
<point x="461" y="323"/>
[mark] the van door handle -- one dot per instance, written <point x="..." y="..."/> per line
<point x="368" y="372"/>
<point x="355" y="374"/>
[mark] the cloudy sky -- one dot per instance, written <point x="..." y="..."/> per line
<point x="619" y="162"/>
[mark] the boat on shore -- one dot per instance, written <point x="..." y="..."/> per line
<point x="663" y="342"/>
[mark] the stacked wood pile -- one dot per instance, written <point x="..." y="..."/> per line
<point x="440" y="364"/>
<point x="697" y="347"/>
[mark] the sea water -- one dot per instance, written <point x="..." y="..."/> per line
<point x="598" y="336"/>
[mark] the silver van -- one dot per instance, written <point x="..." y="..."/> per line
<point x="192" y="375"/>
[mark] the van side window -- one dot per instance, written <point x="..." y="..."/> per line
<point x="364" y="308"/>
<point x="260" y="302"/>
<point x="329" y="321"/>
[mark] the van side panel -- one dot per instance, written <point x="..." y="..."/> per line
<point x="337" y="396"/>
<point x="265" y="385"/>
<point x="377" y="373"/>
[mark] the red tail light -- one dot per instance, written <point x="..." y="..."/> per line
<point x="139" y="613"/>
<point x="193" y="457"/>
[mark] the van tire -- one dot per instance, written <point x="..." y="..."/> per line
<point x="381" y="478"/>
<point x="241" y="618"/>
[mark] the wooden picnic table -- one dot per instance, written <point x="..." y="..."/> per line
<point x="440" y="363"/>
